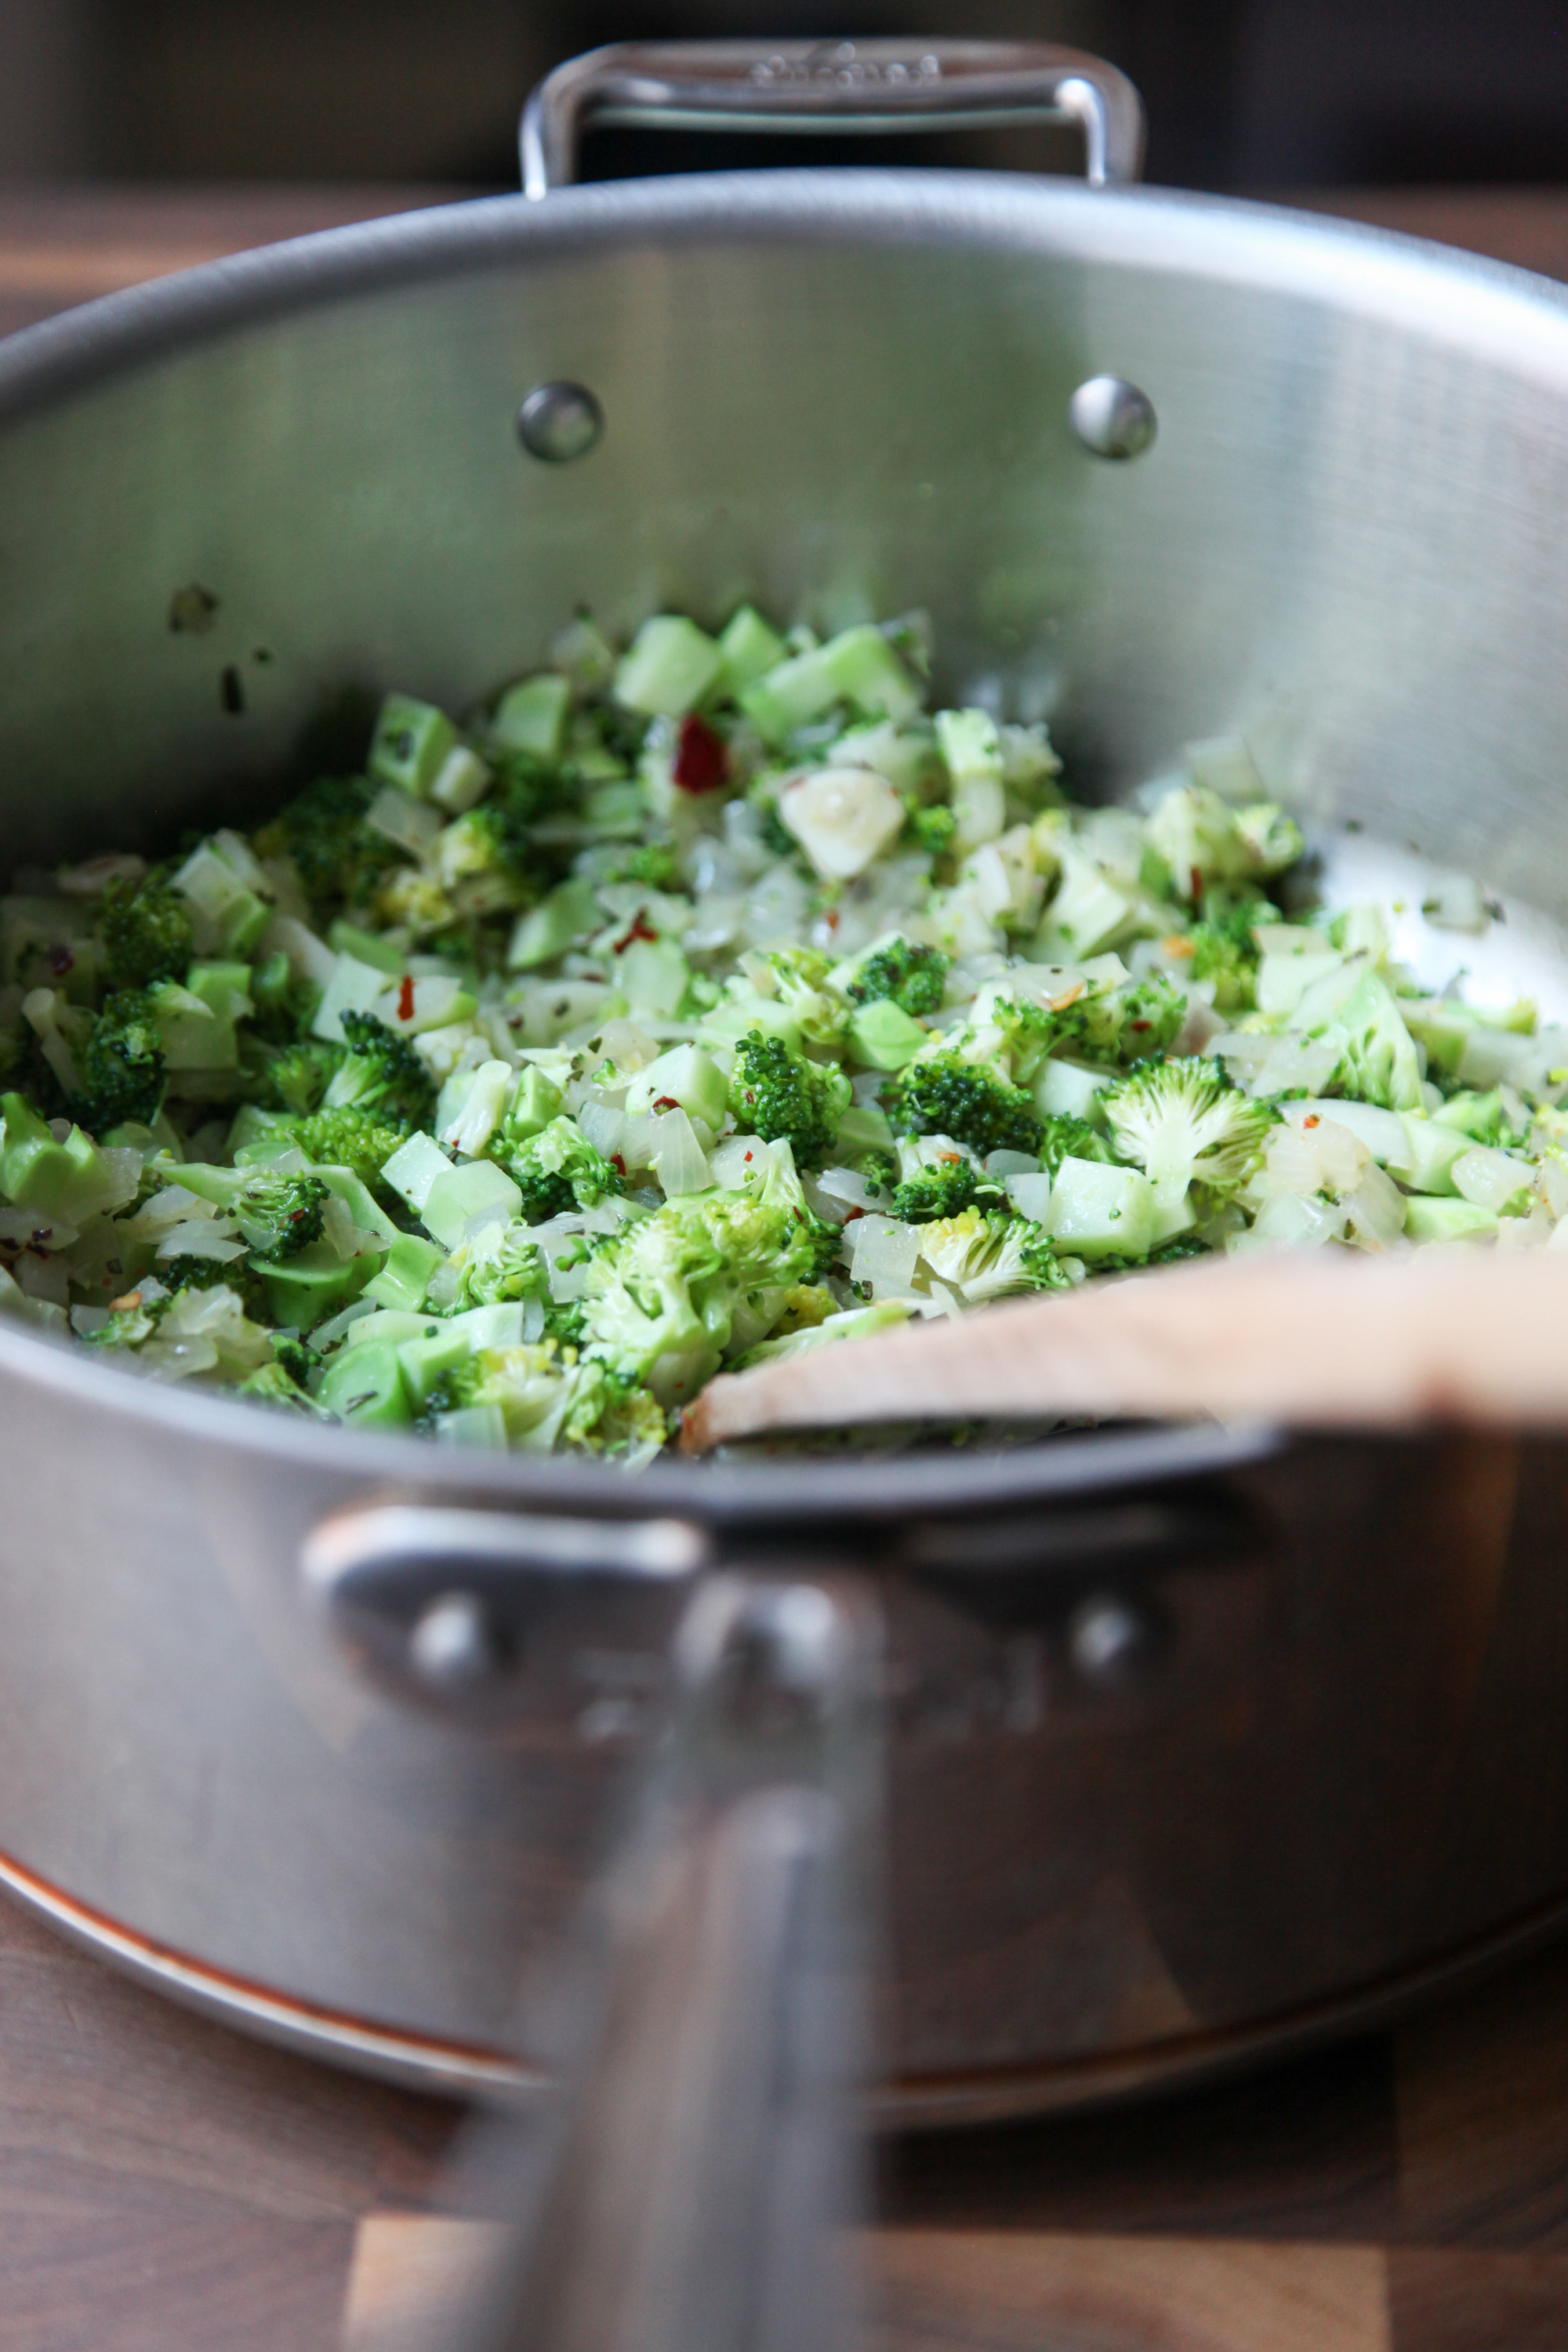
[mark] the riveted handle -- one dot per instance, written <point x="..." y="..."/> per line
<point x="831" y="86"/>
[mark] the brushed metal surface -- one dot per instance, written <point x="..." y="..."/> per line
<point x="835" y="393"/>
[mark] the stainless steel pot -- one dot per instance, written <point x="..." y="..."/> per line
<point x="1198" y="1740"/>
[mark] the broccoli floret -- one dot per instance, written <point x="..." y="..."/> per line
<point x="297" y="1077"/>
<point x="359" y="1140"/>
<point x="280" y="1215"/>
<point x="654" y="863"/>
<point x="337" y="856"/>
<point x="931" y="829"/>
<point x="780" y="1096"/>
<point x="945" y="1095"/>
<point x="382" y="1073"/>
<point x="669" y="1285"/>
<point x="944" y="1190"/>
<point x="611" y="1414"/>
<point x="501" y="1265"/>
<point x="297" y="1357"/>
<point x="986" y="1255"/>
<point x="799" y="978"/>
<point x="147" y="934"/>
<point x="1219" y="955"/>
<point x="913" y="976"/>
<point x="121" y="1065"/>
<point x="1124" y="1023"/>
<point x="274" y="1384"/>
<point x="1062" y="1137"/>
<point x="878" y="1172"/>
<point x="558" y="1169"/>
<point x="1202" y="840"/>
<point x="1184" y="1122"/>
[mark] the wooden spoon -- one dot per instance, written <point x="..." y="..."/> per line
<point x="1307" y="1338"/>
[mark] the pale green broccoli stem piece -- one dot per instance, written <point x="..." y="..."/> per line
<point x="669" y="669"/>
<point x="532" y="717"/>
<point x="410" y="745"/>
<point x="568" y="916"/>
<point x="749" y="647"/>
<point x="859" y="666"/>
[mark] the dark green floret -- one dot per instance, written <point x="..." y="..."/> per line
<point x="146" y="932"/>
<point x="1065" y="1138"/>
<point x="944" y="1190"/>
<point x="338" y="856"/>
<point x="121" y="1065"/>
<point x="780" y="1096"/>
<point x="280" y="1215"/>
<point x="911" y="976"/>
<point x="298" y="1076"/>
<point x="931" y="829"/>
<point x="558" y="1169"/>
<point x="381" y="1073"/>
<point x="947" y="1095"/>
<point x="275" y="1385"/>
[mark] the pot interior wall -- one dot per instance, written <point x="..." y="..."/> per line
<point x="838" y="394"/>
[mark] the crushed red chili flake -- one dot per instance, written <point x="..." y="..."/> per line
<point x="619" y="1165"/>
<point x="701" y="760"/>
<point x="1313" y="1121"/>
<point x="1197" y="885"/>
<point x="405" y="998"/>
<point x="61" y="960"/>
<point x="852" y="1214"/>
<point x="748" y="1155"/>
<point x="641" y="930"/>
<point x="665" y="1102"/>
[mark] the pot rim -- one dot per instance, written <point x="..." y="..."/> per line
<point x="1488" y="308"/>
<point x="1510" y="315"/>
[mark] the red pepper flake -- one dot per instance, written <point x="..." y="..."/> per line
<point x="641" y="930"/>
<point x="619" y="1165"/>
<point x="853" y="1214"/>
<point x="701" y="760"/>
<point x="405" y="997"/>
<point x="61" y="960"/>
<point x="830" y="920"/>
<point x="748" y="1155"/>
<point x="1137" y="1024"/>
<point x="665" y="1102"/>
<point x="1312" y="1121"/>
<point x="1196" y="890"/>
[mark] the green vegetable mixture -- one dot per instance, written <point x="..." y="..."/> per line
<point x="699" y="1006"/>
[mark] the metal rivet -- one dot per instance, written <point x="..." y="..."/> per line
<point x="453" y="1646"/>
<point x="1109" y="1640"/>
<point x="559" y="422"/>
<point x="1112" y="418"/>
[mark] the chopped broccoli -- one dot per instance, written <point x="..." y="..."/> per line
<point x="121" y="1065"/>
<point x="503" y="1264"/>
<point x="931" y="829"/>
<point x="147" y="933"/>
<point x="275" y="1384"/>
<point x="986" y="1255"/>
<point x="382" y="1073"/>
<point x="1126" y="1023"/>
<point x="942" y="1190"/>
<point x="1184" y="1122"/>
<point x="1063" y="1137"/>
<point x="359" y="1140"/>
<point x="799" y="983"/>
<point x="779" y="1095"/>
<point x="296" y="1076"/>
<point x="652" y="863"/>
<point x="913" y="976"/>
<point x="667" y="1288"/>
<point x="945" y="1095"/>
<point x="1231" y="964"/>
<point x="338" y="856"/>
<point x="558" y="1169"/>
<point x="280" y="1215"/>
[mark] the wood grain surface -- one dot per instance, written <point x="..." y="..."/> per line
<point x="166" y="2184"/>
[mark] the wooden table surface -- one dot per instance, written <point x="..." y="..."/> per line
<point x="165" y="2183"/>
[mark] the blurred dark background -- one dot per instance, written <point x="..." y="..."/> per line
<point x="1273" y="95"/>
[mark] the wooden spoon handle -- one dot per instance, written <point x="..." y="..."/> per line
<point x="1311" y="1339"/>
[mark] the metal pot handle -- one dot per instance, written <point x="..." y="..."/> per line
<point x="831" y="86"/>
<point x="690" y="2179"/>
